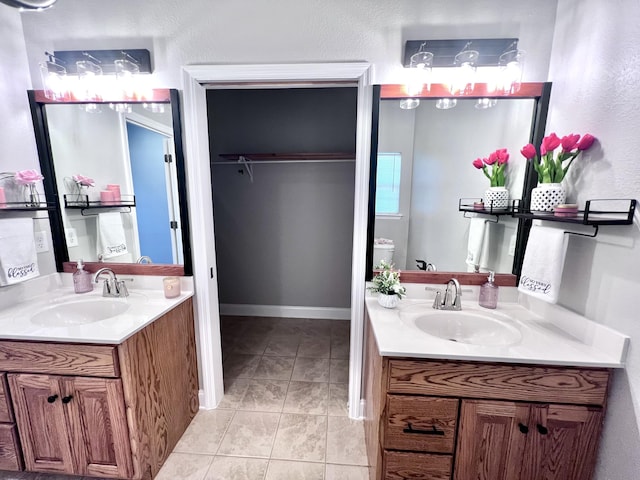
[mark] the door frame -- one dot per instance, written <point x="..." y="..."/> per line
<point x="195" y="79"/>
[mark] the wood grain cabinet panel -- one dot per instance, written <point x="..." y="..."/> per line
<point x="420" y="424"/>
<point x="6" y="414"/>
<point x="416" y="466"/>
<point x="41" y="422"/>
<point x="10" y="457"/>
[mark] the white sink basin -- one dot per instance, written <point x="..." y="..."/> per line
<point x="79" y="312"/>
<point x="471" y="327"/>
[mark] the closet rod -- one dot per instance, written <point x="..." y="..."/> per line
<point x="260" y="162"/>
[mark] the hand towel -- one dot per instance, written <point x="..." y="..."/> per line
<point x="474" y="244"/>
<point x="18" y="258"/>
<point x="111" y="239"/>
<point x="543" y="263"/>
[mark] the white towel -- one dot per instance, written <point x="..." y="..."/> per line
<point x="543" y="263"/>
<point x="476" y="239"/>
<point x="18" y="258"/>
<point x="111" y="239"/>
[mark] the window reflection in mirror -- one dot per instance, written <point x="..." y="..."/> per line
<point x="123" y="151"/>
<point x="435" y="150"/>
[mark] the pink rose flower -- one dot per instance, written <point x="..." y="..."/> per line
<point x="528" y="151"/>
<point x="478" y="163"/>
<point x="84" y="181"/>
<point x="27" y="177"/>
<point x="569" y="142"/>
<point x="549" y="143"/>
<point x="585" y="142"/>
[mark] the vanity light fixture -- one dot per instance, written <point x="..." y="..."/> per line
<point x="154" y="107"/>
<point x="121" y="107"/>
<point x="409" y="103"/>
<point x="52" y="74"/>
<point x="511" y="67"/>
<point x="446" y="103"/>
<point x="461" y="63"/>
<point x="484" y="103"/>
<point x="96" y="75"/>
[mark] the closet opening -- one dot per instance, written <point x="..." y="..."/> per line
<point x="282" y="162"/>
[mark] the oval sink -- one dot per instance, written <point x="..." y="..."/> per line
<point x="474" y="328"/>
<point x="79" y="312"/>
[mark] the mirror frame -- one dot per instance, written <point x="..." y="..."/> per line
<point x="540" y="92"/>
<point x="37" y="104"/>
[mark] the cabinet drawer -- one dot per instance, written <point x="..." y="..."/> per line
<point x="416" y="466"/>
<point x="59" y="359"/>
<point x="508" y="382"/>
<point x="10" y="458"/>
<point x="5" y="405"/>
<point x="420" y="424"/>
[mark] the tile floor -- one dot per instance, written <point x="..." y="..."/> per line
<point x="284" y="413"/>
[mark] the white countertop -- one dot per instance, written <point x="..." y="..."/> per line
<point x="146" y="303"/>
<point x="550" y="335"/>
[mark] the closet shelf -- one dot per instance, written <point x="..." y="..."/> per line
<point x="287" y="157"/>
<point x="611" y="212"/>
<point x="83" y="202"/>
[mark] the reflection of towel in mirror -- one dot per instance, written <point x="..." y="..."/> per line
<point x="18" y="259"/>
<point x="543" y="263"/>
<point x="111" y="239"/>
<point x="475" y="243"/>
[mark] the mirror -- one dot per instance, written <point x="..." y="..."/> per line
<point x="116" y="174"/>
<point x="424" y="175"/>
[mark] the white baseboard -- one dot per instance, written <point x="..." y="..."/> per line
<point x="331" y="313"/>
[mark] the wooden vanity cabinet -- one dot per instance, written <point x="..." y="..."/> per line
<point x="455" y="420"/>
<point x="73" y="425"/>
<point x="10" y="455"/>
<point x="113" y="411"/>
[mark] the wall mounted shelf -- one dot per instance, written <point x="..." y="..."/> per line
<point x="311" y="157"/>
<point x="469" y="205"/>
<point x="25" y="207"/>
<point x="82" y="203"/>
<point x="596" y="212"/>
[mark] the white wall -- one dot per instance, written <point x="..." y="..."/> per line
<point x="17" y="142"/>
<point x="259" y="31"/>
<point x="595" y="70"/>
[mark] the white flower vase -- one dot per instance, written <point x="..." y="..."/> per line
<point x="546" y="196"/>
<point x="387" y="301"/>
<point x="31" y="197"/>
<point x="496" y="198"/>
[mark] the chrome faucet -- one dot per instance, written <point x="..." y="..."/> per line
<point x="451" y="301"/>
<point x="144" y="259"/>
<point x="112" y="287"/>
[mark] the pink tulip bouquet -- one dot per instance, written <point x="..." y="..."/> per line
<point x="497" y="161"/>
<point x="83" y="181"/>
<point x="550" y="169"/>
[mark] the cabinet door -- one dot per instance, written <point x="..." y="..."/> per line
<point x="491" y="440"/>
<point x="562" y="443"/>
<point x="41" y="423"/>
<point x="98" y="426"/>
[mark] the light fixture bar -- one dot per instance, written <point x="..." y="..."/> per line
<point x="105" y="58"/>
<point x="445" y="51"/>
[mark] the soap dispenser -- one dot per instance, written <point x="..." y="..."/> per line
<point x="489" y="293"/>
<point x="82" y="279"/>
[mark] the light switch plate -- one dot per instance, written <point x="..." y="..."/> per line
<point x="71" y="236"/>
<point x="41" y="242"/>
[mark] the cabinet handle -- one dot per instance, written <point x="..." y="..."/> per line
<point x="542" y="429"/>
<point x="523" y="428"/>
<point x="52" y="398"/>
<point x="67" y="399"/>
<point x="433" y="431"/>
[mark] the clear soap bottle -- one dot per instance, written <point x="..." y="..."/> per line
<point x="489" y="293"/>
<point x="82" y="279"/>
